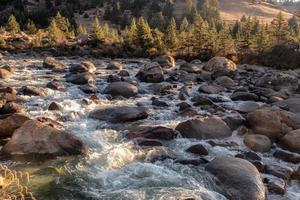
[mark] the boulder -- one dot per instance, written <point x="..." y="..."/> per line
<point x="291" y="104"/>
<point x="197" y="149"/>
<point x="123" y="89"/>
<point x="88" y="88"/>
<point x="225" y="81"/>
<point x="124" y="73"/>
<point x="210" y="88"/>
<point x="120" y="114"/>
<point x="10" y="124"/>
<point x="159" y="133"/>
<point x="258" y="143"/>
<point x="80" y="79"/>
<point x="220" y="66"/>
<point x="165" y="61"/>
<point x="190" y="68"/>
<point x="159" y="103"/>
<point x="55" y="85"/>
<point x="272" y="122"/>
<point x="278" y="81"/>
<point x="32" y="91"/>
<point x="246" y="106"/>
<point x="54" y="106"/>
<point x="86" y="66"/>
<point x="287" y="156"/>
<point x="238" y="178"/>
<point x="11" y="108"/>
<point x="36" y="138"/>
<point x="52" y="63"/>
<point x="244" y="96"/>
<point x="279" y="171"/>
<point x="114" y="65"/>
<point x="275" y="185"/>
<point x="151" y="73"/>
<point x="5" y="74"/>
<point x="291" y="141"/>
<point x="205" y="128"/>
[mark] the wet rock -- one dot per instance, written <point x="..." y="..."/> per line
<point x="5" y="74"/>
<point x="195" y="162"/>
<point x="124" y="73"/>
<point x="278" y="81"/>
<point x="201" y="101"/>
<point x="158" y="103"/>
<point x="10" y="97"/>
<point x="54" y="106"/>
<point x="165" y="61"/>
<point x="86" y="66"/>
<point x="88" y="88"/>
<point x="244" y="96"/>
<point x="55" y="85"/>
<point x="160" y="133"/>
<point x="275" y="185"/>
<point x="205" y="128"/>
<point x="183" y="105"/>
<point x="250" y="156"/>
<point x="287" y="156"/>
<point x="220" y="66"/>
<point x="198" y="149"/>
<point x="279" y="171"/>
<point x="80" y="79"/>
<point x="10" y="124"/>
<point x="32" y="91"/>
<point x="291" y="104"/>
<point x="35" y="138"/>
<point x="215" y="143"/>
<point x="234" y="120"/>
<point x="210" y="89"/>
<point x="238" y="178"/>
<point x="120" y="114"/>
<point x="272" y="122"/>
<point x="114" y="65"/>
<point x="11" y="108"/>
<point x="189" y="112"/>
<point x="190" y="68"/>
<point x="114" y="78"/>
<point x="225" y="81"/>
<point x="52" y="63"/>
<point x="258" y="143"/>
<point x="123" y="89"/>
<point x="151" y="73"/>
<point x="148" y="143"/>
<point x="296" y="174"/>
<point x="246" y="106"/>
<point x="291" y="141"/>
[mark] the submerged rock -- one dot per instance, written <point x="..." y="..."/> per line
<point x="238" y="178"/>
<point x="161" y="133"/>
<point x="35" y="138"/>
<point x="80" y="79"/>
<point x="120" y="114"/>
<point x="55" y="85"/>
<point x="205" y="128"/>
<point x="52" y="63"/>
<point x="198" y="149"/>
<point x="86" y="66"/>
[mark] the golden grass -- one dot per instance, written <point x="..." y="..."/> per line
<point x="13" y="185"/>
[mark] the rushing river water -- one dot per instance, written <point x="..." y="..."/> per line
<point x="115" y="168"/>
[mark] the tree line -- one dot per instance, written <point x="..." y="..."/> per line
<point x="199" y="37"/>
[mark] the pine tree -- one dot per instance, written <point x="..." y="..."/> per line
<point x="131" y="37"/>
<point x="81" y="30"/>
<point x="223" y="42"/>
<point x="170" y="38"/>
<point x="97" y="33"/>
<point x="56" y="36"/>
<point x="158" y="39"/>
<point x="144" y="34"/>
<point x="30" y="27"/>
<point x="294" y="25"/>
<point x="280" y="30"/>
<point x="63" y="23"/>
<point x="262" y="39"/>
<point x="184" y="25"/>
<point x="12" y="25"/>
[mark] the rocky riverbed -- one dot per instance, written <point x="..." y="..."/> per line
<point x="87" y="128"/>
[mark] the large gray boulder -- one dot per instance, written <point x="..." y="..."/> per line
<point x="238" y="179"/>
<point x="151" y="73"/>
<point x="36" y="138"/>
<point x="165" y="61"/>
<point x="123" y="89"/>
<point x="220" y="66"/>
<point x="120" y="114"/>
<point x="291" y="141"/>
<point x="205" y="128"/>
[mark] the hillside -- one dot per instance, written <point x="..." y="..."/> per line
<point x="232" y="10"/>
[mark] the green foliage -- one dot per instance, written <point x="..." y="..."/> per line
<point x="81" y="30"/>
<point x="63" y="24"/>
<point x="56" y="36"/>
<point x="144" y="35"/>
<point x="12" y="25"/>
<point x="30" y="27"/>
<point x="2" y="43"/>
<point x="280" y="30"/>
<point x="97" y="33"/>
<point x="171" y="38"/>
